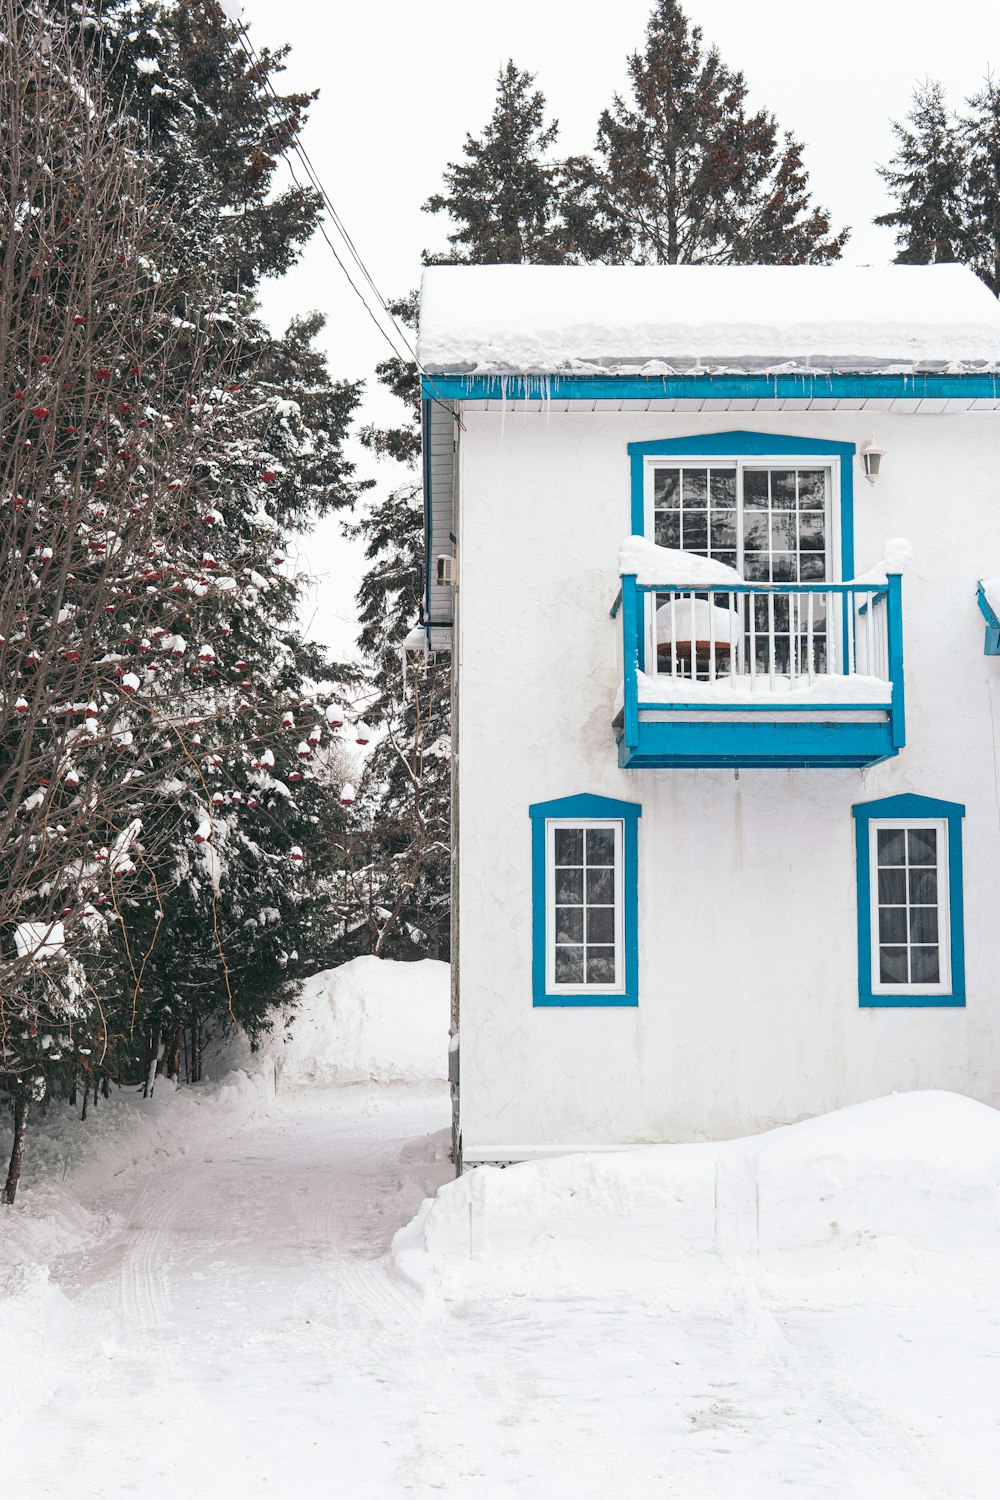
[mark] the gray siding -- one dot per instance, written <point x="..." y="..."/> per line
<point x="441" y="477"/>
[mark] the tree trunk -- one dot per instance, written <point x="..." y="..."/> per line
<point x="86" y="1098"/>
<point x="155" y="1054"/>
<point x="22" y="1107"/>
<point x="72" y="1092"/>
<point x="169" y="1062"/>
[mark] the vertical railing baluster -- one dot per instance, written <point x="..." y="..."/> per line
<point x="870" y="634"/>
<point x="734" y="642"/>
<point x="711" y="637"/>
<point x="793" y="640"/>
<point x="752" y="607"/>
<point x="673" y="632"/>
<point x="809" y="636"/>
<point x="851" y="621"/>
<point x="831" y="635"/>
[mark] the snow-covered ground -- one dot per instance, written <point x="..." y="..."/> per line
<point x="814" y="1313"/>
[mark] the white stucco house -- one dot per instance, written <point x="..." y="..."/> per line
<point x="712" y="550"/>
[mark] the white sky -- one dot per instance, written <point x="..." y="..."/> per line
<point x="402" y="83"/>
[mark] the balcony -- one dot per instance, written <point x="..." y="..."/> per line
<point x="758" y="674"/>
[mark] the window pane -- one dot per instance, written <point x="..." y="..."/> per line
<point x="695" y="489"/>
<point x="600" y="846"/>
<point x="724" y="487"/>
<point x="783" y="567"/>
<point x="569" y="846"/>
<point x="723" y="529"/>
<point x="892" y="965"/>
<point x="892" y="887"/>
<point x="755" y="489"/>
<point x="569" y="924"/>
<point x="891" y="846"/>
<point x="922" y="845"/>
<point x="600" y="887"/>
<point x="666" y="487"/>
<point x="783" y="530"/>
<point x="694" y="535"/>
<point x="812" y="532"/>
<point x="892" y="924"/>
<point x="755" y="533"/>
<point x="783" y="487"/>
<point x="923" y="887"/>
<point x="667" y="528"/>
<point x="812" y="489"/>
<point x="569" y="887"/>
<point x="756" y="567"/>
<point x="600" y="924"/>
<point x="600" y="966"/>
<point x="925" y="966"/>
<point x="569" y="966"/>
<point x="923" y="924"/>
<point x="812" y="567"/>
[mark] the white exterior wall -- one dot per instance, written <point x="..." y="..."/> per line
<point x="748" y="1009"/>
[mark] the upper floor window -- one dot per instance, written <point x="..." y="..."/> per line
<point x="771" y="522"/>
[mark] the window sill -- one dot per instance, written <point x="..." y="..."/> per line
<point x="901" y="1002"/>
<point x="586" y="1000"/>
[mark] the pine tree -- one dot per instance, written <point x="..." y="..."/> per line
<point x="980" y="133"/>
<point x="926" y="180"/>
<point x="683" y="173"/>
<point x="504" y="196"/>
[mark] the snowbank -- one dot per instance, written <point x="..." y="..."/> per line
<point x="826" y="687"/>
<point x="658" y="320"/>
<point x="653" y="565"/>
<point x="921" y="1167"/>
<point x="372" y="1020"/>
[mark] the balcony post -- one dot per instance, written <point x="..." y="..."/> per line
<point x="630" y="659"/>
<point x="894" y="628"/>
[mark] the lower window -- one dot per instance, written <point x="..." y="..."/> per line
<point x="584" y="899"/>
<point x="910" y="918"/>
<point x="584" y="892"/>
<point x="910" y="910"/>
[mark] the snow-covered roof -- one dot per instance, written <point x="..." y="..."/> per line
<point x="662" y="320"/>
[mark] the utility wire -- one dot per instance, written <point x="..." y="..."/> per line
<point x="293" y="138"/>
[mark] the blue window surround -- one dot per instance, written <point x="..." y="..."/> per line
<point x="586" y="806"/>
<point x="910" y="806"/>
<point x="991" y="646"/>
<point x="750" y="445"/>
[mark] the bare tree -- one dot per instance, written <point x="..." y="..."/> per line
<point x="96" y="512"/>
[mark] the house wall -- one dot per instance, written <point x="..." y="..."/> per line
<point x="748" y="1009"/>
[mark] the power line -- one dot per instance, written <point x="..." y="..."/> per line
<point x="314" y="178"/>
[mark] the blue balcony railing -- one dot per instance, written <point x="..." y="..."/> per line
<point x="760" y="674"/>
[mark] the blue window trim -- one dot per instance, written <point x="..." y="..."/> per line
<point x="741" y="444"/>
<point x="908" y="805"/>
<point x="991" y="646"/>
<point x="585" y="806"/>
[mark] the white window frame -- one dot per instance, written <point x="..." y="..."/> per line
<point x="618" y="827"/>
<point x="830" y="464"/>
<point x="918" y="987"/>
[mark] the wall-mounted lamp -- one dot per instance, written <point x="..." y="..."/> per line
<point x="871" y="457"/>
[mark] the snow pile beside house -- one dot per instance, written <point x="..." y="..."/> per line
<point x="371" y="1020"/>
<point x="923" y="1168"/>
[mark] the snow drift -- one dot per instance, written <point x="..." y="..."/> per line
<point x="921" y="1167"/>
<point x="371" y="1020"/>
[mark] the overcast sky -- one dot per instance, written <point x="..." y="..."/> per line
<point x="401" y="83"/>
